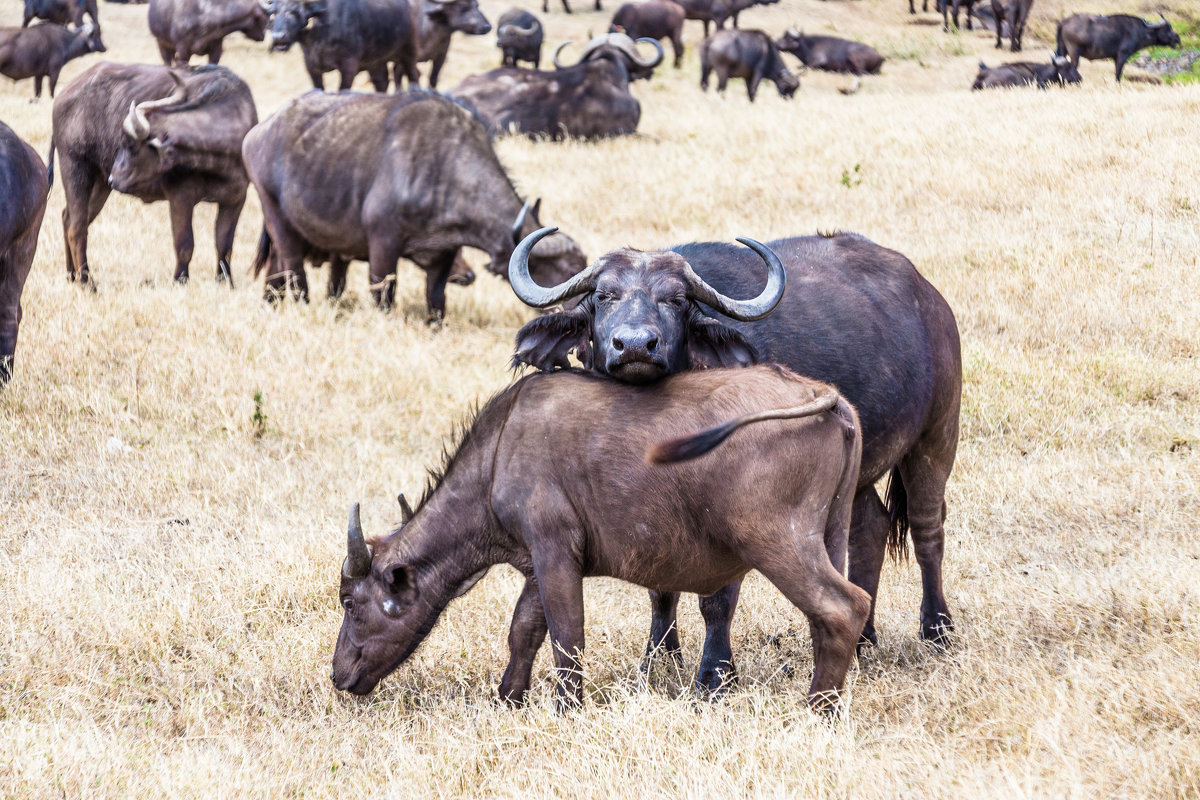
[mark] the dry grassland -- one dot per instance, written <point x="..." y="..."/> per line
<point x="168" y="561"/>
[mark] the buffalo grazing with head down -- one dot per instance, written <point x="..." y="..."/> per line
<point x="186" y="28"/>
<point x="708" y="476"/>
<point x="155" y="133"/>
<point x="855" y="315"/>
<point x="60" y="12"/>
<point x="589" y="99"/>
<point x="519" y="36"/>
<point x="1024" y="73"/>
<point x="436" y="21"/>
<point x="42" y="50"/>
<point x="652" y="19"/>
<point x="750" y="55"/>
<point x="384" y="177"/>
<point x="24" y="186"/>
<point x="1117" y="37"/>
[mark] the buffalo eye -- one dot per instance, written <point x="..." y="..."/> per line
<point x="676" y="301"/>
<point x="348" y="604"/>
<point x="604" y="297"/>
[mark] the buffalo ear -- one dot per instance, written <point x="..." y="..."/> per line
<point x="400" y="580"/>
<point x="545" y="342"/>
<point x="712" y="344"/>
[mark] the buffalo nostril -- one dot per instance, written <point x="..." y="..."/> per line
<point x="650" y="345"/>
<point x="618" y="344"/>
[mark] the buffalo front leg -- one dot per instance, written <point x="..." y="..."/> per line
<point x="10" y="321"/>
<point x="214" y="53"/>
<point x="560" y="585"/>
<point x="337" y="275"/>
<point x="181" y="227"/>
<point x="226" y="227"/>
<point x="525" y="637"/>
<point x="436" y="276"/>
<point x="717" y="671"/>
<point x="664" y="634"/>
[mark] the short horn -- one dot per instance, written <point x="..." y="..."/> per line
<point x="650" y="63"/>
<point x="524" y="31"/>
<point x="558" y="64"/>
<point x="519" y="225"/>
<point x="406" y="512"/>
<point x="358" y="555"/>
<point x="136" y="126"/>
<point x="745" y="310"/>
<point x="531" y="293"/>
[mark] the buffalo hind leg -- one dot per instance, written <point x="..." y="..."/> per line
<point x="677" y="47"/>
<point x="379" y="79"/>
<point x="86" y="194"/>
<point x="525" y="637"/>
<point x="214" y="53"/>
<point x="338" y="266"/>
<point x="560" y="586"/>
<point x="181" y="227"/>
<point x="226" y="227"/>
<point x="664" y="633"/>
<point x="717" y="671"/>
<point x="868" y="545"/>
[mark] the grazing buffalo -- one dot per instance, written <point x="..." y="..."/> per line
<point x="186" y="28"/>
<point x="42" y="50"/>
<point x="24" y="186"/>
<point x="436" y="21"/>
<point x="951" y="7"/>
<point x="157" y="134"/>
<point x="750" y="55"/>
<point x="379" y="178"/>
<point x="1015" y="13"/>
<point x="587" y="100"/>
<point x="856" y="315"/>
<point x="717" y="11"/>
<point x="1117" y="37"/>
<point x="1024" y="73"/>
<point x="60" y="12"/>
<point x="562" y="495"/>
<point x="830" y="53"/>
<point x="519" y="36"/>
<point x="349" y="36"/>
<point x="652" y="19"/>
<point x="461" y="273"/>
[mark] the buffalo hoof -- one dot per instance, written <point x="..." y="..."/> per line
<point x="938" y="633"/>
<point x="512" y="696"/>
<point x="653" y="653"/>
<point x="714" y="681"/>
<point x="868" y="638"/>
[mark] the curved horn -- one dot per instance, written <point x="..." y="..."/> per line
<point x="406" y="512"/>
<point x="647" y="63"/>
<point x="358" y="555"/>
<point x="176" y="96"/>
<point x="519" y="225"/>
<point x="136" y="126"/>
<point x="558" y="64"/>
<point x="744" y="310"/>
<point x="539" y="296"/>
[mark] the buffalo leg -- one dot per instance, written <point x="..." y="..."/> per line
<point x="181" y="227"/>
<point x="10" y="322"/>
<point x="435" y="69"/>
<point x="664" y="633"/>
<point x="337" y="275"/>
<point x="560" y="586"/>
<point x="227" y="220"/>
<point x="384" y="254"/>
<point x="752" y="84"/>
<point x="167" y="55"/>
<point x="868" y="545"/>
<point x="214" y="52"/>
<point x="716" y="662"/>
<point x="436" y="277"/>
<point x="525" y="637"/>
<point x="379" y="79"/>
<point x="286" y="269"/>
<point x="999" y="15"/>
<point x="37" y="86"/>
<point x="722" y="82"/>
<point x="677" y="47"/>
<point x="85" y="196"/>
<point x="14" y="269"/>
<point x="1121" y="58"/>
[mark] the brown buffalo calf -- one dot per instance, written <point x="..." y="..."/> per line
<point x="627" y="490"/>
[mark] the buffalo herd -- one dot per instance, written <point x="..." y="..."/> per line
<point x="726" y="459"/>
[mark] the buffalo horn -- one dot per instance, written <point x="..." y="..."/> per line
<point x="358" y="555"/>
<point x="523" y="31"/>
<point x="792" y="32"/>
<point x="744" y="310"/>
<point x="558" y="64"/>
<point x="648" y="63"/>
<point x="406" y="512"/>
<point x="136" y="127"/>
<point x="519" y="225"/>
<point x="139" y="110"/>
<point x="539" y="296"/>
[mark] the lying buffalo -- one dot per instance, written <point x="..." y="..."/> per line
<point x="186" y="28"/>
<point x="652" y="19"/>
<point x="856" y="315"/>
<point x="60" y="12"/>
<point x="41" y="51"/>
<point x="1117" y="37"/>
<point x="750" y="55"/>
<point x="436" y="21"/>
<point x="587" y="100"/>
<point x="830" y="53"/>
<point x="519" y="36"/>
<point x="1010" y="15"/>
<point x="157" y="134"/>
<point x="24" y="187"/>
<point x="561" y="496"/>
<point x="1024" y="73"/>
<point x="384" y="177"/>
<point x="349" y="36"/>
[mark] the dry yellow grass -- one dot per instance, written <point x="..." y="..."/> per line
<point x="168" y="565"/>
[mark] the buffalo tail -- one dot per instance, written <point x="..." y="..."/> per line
<point x="263" y="254"/>
<point x="897" y="509"/>
<point x="50" y="163"/>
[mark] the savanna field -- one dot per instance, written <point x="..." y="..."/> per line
<point x="176" y="463"/>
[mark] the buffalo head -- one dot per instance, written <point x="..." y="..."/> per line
<point x="144" y="158"/>
<point x="642" y="315"/>
<point x="458" y="15"/>
<point x="617" y="46"/>
<point x="291" y="17"/>
<point x="91" y="32"/>
<point x="1164" y="34"/>
<point x="1066" y="72"/>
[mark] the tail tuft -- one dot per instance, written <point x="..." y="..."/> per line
<point x="897" y="508"/>
<point x="685" y="448"/>
<point x="263" y="256"/>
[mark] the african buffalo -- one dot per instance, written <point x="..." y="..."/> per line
<point x="912" y="9"/>
<point x="42" y="50"/>
<point x="24" y="186"/>
<point x="155" y="133"/>
<point x="436" y="21"/>
<point x="380" y="177"/>
<point x="562" y="495"/>
<point x="1025" y="73"/>
<point x="1016" y="14"/>
<point x="349" y="36"/>
<point x="951" y="7"/>
<point x="519" y="37"/>
<point x="830" y="53"/>
<point x="588" y="100"/>
<point x="1117" y="37"/>
<point x="652" y="19"/>
<point x="566" y="6"/>
<point x="186" y="28"/>
<point x="750" y="55"/>
<point x="60" y="12"/>
<point x="717" y="11"/>
<point x="856" y="315"/>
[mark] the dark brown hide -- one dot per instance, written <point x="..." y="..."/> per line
<point x="60" y="12"/>
<point x="1024" y="73"/>
<point x="830" y="53"/>
<point x="519" y="36"/>
<point x="1117" y="37"/>
<point x="436" y="21"/>
<point x="585" y="502"/>
<point x="652" y="19"/>
<point x="717" y="11"/>
<point x="750" y="55"/>
<point x="24" y="186"/>
<point x="186" y="28"/>
<point x="42" y="50"/>
<point x="1013" y="14"/>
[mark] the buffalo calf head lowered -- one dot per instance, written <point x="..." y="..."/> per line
<point x="642" y="315"/>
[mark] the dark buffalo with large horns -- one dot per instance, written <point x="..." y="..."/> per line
<point x="587" y="100"/>
<point x="856" y="315"/>
<point x="384" y="177"/>
<point x="24" y="186"/>
<point x="155" y="133"/>
<point x="641" y="502"/>
<point x="60" y="12"/>
<point x="652" y="19"/>
<point x="349" y="36"/>
<point x="1024" y="73"/>
<point x="42" y="51"/>
<point x="186" y="28"/>
<point x="750" y="55"/>
<point x="1117" y="37"/>
<point x="436" y="21"/>
<point x="519" y="36"/>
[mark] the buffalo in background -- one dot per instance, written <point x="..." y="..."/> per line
<point x="1024" y="73"/>
<point x="60" y="12"/>
<point x="855" y="315"/>
<point x="831" y="54"/>
<point x="750" y="55"/>
<point x="652" y="19"/>
<point x="519" y="36"/>
<point x="186" y="28"/>
<point x="42" y="50"/>
<point x="155" y="133"/>
<point x="717" y="11"/>
<point x="1011" y="15"/>
<point x="24" y="187"/>
<point x="1117" y="37"/>
<point x="436" y="21"/>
